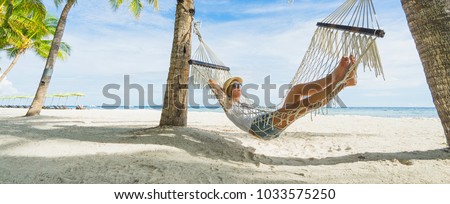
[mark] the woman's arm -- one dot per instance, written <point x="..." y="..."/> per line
<point x="219" y="93"/>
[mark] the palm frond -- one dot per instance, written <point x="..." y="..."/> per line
<point x="35" y="9"/>
<point x="59" y="2"/>
<point x="64" y="51"/>
<point x="13" y="52"/>
<point x="115" y="4"/>
<point x="136" y="7"/>
<point x="49" y="26"/>
<point x="42" y="48"/>
<point x="29" y="27"/>
<point x="155" y="4"/>
<point x="24" y="22"/>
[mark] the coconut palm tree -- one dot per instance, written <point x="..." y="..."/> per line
<point x="429" y="22"/>
<point x="18" y="17"/>
<point x="38" y="102"/>
<point x="37" y="43"/>
<point x="175" y="108"/>
<point x="175" y="99"/>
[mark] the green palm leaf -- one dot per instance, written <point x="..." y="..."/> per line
<point x="25" y="25"/>
<point x="135" y="6"/>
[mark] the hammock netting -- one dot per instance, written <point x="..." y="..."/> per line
<point x="350" y="30"/>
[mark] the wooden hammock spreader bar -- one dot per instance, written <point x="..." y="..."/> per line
<point x="367" y="31"/>
<point x="209" y="65"/>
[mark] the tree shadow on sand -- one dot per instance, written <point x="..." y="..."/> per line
<point x="218" y="147"/>
<point x="196" y="142"/>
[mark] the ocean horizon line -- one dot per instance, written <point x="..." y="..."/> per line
<point x="387" y="112"/>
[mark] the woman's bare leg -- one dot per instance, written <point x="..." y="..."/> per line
<point x="337" y="76"/>
<point x="321" y="96"/>
<point x="300" y="90"/>
<point x="305" y="90"/>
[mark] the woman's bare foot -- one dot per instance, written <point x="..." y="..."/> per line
<point x="352" y="77"/>
<point x="340" y="72"/>
<point x="351" y="81"/>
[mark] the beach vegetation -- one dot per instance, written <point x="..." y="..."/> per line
<point x="20" y="22"/>
<point x="37" y="41"/>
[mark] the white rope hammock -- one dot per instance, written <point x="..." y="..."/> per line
<point x="350" y="30"/>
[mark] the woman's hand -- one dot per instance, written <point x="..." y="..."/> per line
<point x="211" y="81"/>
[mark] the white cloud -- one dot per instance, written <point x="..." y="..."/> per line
<point x="7" y="88"/>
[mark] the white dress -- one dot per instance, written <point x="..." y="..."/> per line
<point x="241" y="115"/>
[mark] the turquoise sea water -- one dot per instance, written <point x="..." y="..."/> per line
<point x="390" y="112"/>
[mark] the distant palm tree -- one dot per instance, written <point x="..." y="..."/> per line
<point x="429" y="22"/>
<point x="38" y="102"/>
<point x="37" y="43"/>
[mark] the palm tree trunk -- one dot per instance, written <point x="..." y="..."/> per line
<point x="39" y="98"/>
<point x="16" y="58"/>
<point x="174" y="112"/>
<point x="429" y="22"/>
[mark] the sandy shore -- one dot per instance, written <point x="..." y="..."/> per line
<point x="117" y="146"/>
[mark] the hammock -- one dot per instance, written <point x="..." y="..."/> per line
<point x="351" y="29"/>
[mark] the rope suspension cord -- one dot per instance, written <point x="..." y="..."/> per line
<point x="206" y="64"/>
<point x="329" y="43"/>
<point x="367" y="21"/>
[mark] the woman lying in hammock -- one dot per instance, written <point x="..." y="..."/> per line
<point x="300" y="99"/>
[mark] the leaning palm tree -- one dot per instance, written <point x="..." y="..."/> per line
<point x="37" y="43"/>
<point x="429" y="22"/>
<point x="38" y="102"/>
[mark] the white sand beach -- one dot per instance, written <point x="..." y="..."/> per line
<point x="120" y="146"/>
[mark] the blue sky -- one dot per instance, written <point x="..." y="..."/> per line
<point x="255" y="38"/>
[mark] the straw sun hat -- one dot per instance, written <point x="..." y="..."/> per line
<point x="226" y="85"/>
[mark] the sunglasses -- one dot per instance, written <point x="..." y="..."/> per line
<point x="236" y="85"/>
